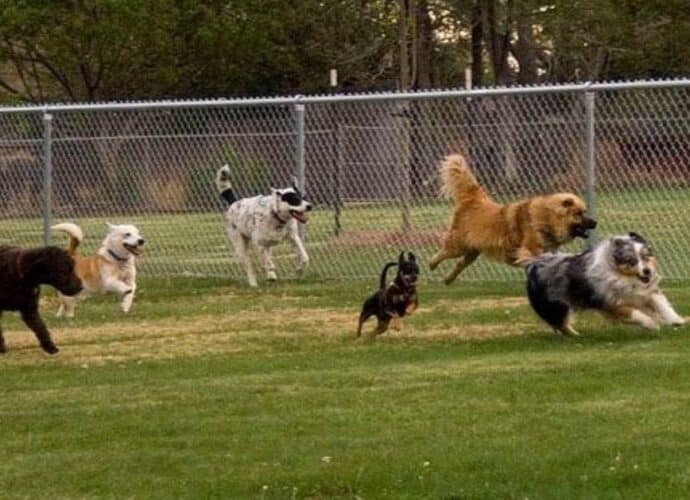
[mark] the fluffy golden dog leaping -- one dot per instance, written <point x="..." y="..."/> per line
<point x="511" y="233"/>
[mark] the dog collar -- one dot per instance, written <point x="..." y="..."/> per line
<point x="116" y="256"/>
<point x="275" y="214"/>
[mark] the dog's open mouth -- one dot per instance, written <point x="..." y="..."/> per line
<point x="133" y="249"/>
<point x="644" y="279"/>
<point x="300" y="216"/>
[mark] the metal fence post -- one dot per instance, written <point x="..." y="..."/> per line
<point x="590" y="193"/>
<point x="299" y="153"/>
<point x="47" y="174"/>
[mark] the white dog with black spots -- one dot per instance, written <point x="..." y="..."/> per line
<point x="264" y="221"/>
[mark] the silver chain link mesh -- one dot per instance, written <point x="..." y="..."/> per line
<point x="370" y="169"/>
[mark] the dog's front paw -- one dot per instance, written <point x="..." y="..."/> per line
<point x="302" y="266"/>
<point x="677" y="321"/>
<point x="50" y="348"/>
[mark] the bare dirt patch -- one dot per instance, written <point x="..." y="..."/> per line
<point x="252" y="331"/>
<point x="375" y="237"/>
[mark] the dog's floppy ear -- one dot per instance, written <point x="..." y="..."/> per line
<point x="636" y="237"/>
<point x="568" y="202"/>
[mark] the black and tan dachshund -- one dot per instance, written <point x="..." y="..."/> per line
<point x="395" y="300"/>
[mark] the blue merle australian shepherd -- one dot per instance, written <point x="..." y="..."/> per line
<point x="618" y="277"/>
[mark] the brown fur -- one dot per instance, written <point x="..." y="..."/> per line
<point x="22" y="272"/>
<point x="511" y="233"/>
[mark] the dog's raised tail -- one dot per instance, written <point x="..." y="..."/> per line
<point x="458" y="182"/>
<point x="224" y="185"/>
<point x="384" y="272"/>
<point x="76" y="236"/>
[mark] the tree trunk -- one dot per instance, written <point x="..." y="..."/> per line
<point x="477" y="34"/>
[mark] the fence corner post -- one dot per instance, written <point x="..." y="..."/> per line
<point x="47" y="174"/>
<point x="590" y="189"/>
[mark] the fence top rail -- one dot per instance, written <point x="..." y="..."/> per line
<point x="358" y="97"/>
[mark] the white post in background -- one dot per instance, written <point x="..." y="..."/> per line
<point x="47" y="174"/>
<point x="337" y="154"/>
<point x="590" y="193"/>
<point x="468" y="78"/>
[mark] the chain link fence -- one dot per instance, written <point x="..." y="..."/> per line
<point x="369" y="163"/>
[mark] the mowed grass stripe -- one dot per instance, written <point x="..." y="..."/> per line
<point x="275" y="399"/>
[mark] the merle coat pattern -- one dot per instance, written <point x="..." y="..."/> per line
<point x="22" y="272"/>
<point x="395" y="300"/>
<point x="618" y="277"/>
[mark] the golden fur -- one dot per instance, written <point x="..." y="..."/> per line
<point x="511" y="233"/>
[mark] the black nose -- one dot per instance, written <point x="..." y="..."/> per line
<point x="646" y="271"/>
<point x="141" y="241"/>
<point x="308" y="207"/>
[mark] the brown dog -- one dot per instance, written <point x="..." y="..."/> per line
<point x="511" y="233"/>
<point x="22" y="272"/>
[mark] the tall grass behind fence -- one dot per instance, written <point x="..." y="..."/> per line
<point x="368" y="162"/>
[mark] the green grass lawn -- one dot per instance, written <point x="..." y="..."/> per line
<point x="210" y="389"/>
<point x="194" y="244"/>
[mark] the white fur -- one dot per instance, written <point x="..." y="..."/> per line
<point x="263" y="221"/>
<point x="116" y="264"/>
<point x="647" y="298"/>
<point x="254" y="221"/>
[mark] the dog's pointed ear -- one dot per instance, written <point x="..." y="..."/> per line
<point x="637" y="237"/>
<point x="401" y="258"/>
<point x="110" y="227"/>
<point x="411" y="257"/>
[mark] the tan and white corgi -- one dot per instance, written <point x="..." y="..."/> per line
<point x="111" y="270"/>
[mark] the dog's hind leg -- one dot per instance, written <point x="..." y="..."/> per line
<point x="241" y="246"/>
<point x="67" y="305"/>
<point x="465" y="260"/>
<point x="567" y="326"/>
<point x="439" y="257"/>
<point x="267" y="263"/>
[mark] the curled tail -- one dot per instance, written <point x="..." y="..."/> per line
<point x="75" y="235"/>
<point x="458" y="181"/>
<point x="224" y="185"/>
<point x="382" y="282"/>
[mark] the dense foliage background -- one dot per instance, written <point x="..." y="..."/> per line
<point x="130" y="49"/>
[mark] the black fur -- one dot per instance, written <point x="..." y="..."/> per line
<point x="22" y="272"/>
<point x="229" y="196"/>
<point x="567" y="281"/>
<point x="395" y="300"/>
<point x="553" y="312"/>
